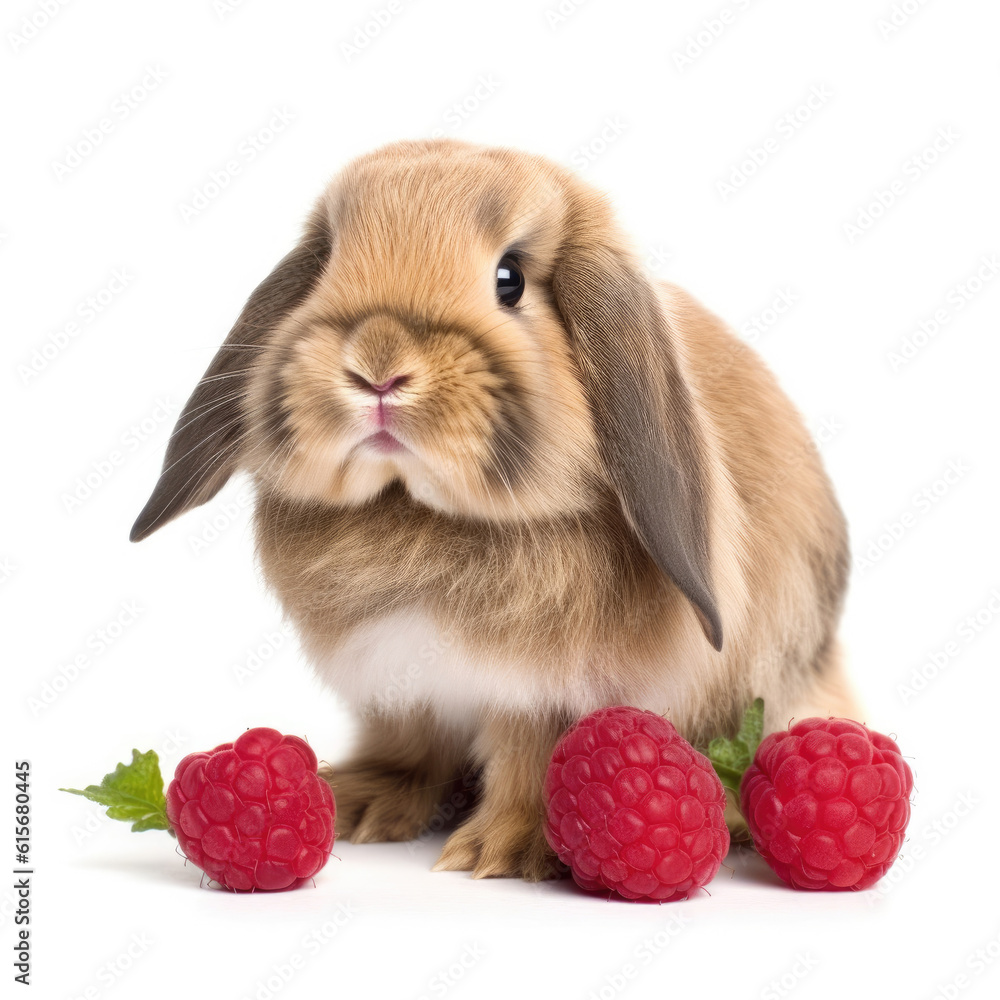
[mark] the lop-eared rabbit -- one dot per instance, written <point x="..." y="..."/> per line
<point x="502" y="479"/>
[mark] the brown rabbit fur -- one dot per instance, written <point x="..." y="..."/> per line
<point x="596" y="496"/>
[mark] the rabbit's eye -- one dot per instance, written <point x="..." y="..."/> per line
<point x="510" y="281"/>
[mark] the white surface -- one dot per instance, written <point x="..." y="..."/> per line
<point x="179" y="674"/>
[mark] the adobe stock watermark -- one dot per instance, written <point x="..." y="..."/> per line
<point x="562" y="12"/>
<point x="110" y="973"/>
<point x="737" y="351"/>
<point x="759" y="324"/>
<point x="129" y="442"/>
<point x="786" y="465"/>
<point x="955" y="300"/>
<point x="655" y="259"/>
<point x="223" y="8"/>
<point x="643" y="955"/>
<point x="887" y="196"/>
<point x="99" y="641"/>
<point x="711" y="29"/>
<point x="247" y="150"/>
<point x="371" y="29"/>
<point x="468" y="106"/>
<point x="224" y="515"/>
<point x="9" y="907"/>
<point x="588" y="153"/>
<point x="976" y="964"/>
<point x="920" y="844"/>
<point x="31" y="25"/>
<point x="434" y="484"/>
<point x="757" y="155"/>
<point x="443" y="981"/>
<point x="273" y="982"/>
<point x="7" y="569"/>
<point x="97" y="819"/>
<point x="941" y="659"/>
<point x="86" y="313"/>
<point x="898" y="17"/>
<point x="784" y="985"/>
<point x="402" y="684"/>
<point x="122" y="107"/>
<point x="445" y="813"/>
<point x="262" y="652"/>
<point x="921" y="503"/>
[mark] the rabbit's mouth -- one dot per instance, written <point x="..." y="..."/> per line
<point x="384" y="442"/>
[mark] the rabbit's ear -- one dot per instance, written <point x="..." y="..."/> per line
<point x="205" y="443"/>
<point x="643" y="410"/>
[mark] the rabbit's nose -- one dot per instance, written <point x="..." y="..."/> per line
<point x="382" y="388"/>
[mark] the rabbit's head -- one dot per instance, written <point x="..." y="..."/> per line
<point x="467" y="322"/>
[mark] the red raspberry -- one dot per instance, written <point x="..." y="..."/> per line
<point x="827" y="803"/>
<point x="633" y="807"/>
<point x="253" y="814"/>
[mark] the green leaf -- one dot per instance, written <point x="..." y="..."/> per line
<point x="731" y="758"/>
<point x="132" y="792"/>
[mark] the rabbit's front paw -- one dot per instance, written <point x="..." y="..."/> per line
<point x="376" y="805"/>
<point x="493" y="847"/>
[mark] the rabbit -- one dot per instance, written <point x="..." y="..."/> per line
<point x="502" y="479"/>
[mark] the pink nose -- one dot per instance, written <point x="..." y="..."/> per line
<point x="379" y="388"/>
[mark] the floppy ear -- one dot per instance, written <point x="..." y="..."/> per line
<point x="643" y="412"/>
<point x="205" y="444"/>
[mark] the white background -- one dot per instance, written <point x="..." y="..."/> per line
<point x="600" y="89"/>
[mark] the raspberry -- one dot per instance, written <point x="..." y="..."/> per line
<point x="827" y="803"/>
<point x="633" y="807"/>
<point x="253" y="814"/>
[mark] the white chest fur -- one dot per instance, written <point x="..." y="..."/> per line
<point x="405" y="660"/>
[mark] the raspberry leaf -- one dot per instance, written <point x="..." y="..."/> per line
<point x="731" y="758"/>
<point x="132" y="792"/>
